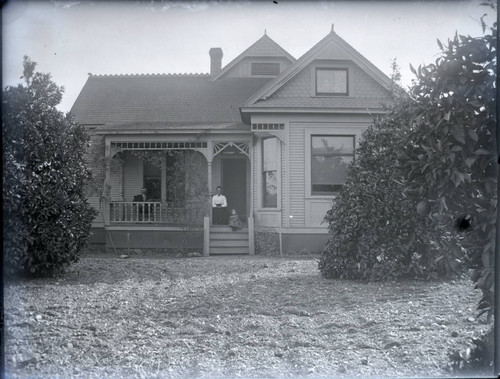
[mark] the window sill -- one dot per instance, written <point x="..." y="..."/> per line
<point x="331" y="95"/>
<point x="321" y="197"/>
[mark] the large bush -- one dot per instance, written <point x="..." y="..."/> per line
<point x="45" y="214"/>
<point x="376" y="233"/>
<point x="454" y="169"/>
<point x="425" y="164"/>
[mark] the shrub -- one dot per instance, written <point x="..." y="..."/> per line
<point x="454" y="165"/>
<point x="426" y="163"/>
<point x="376" y="233"/>
<point x="46" y="217"/>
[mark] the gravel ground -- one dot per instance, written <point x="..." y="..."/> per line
<point x="154" y="317"/>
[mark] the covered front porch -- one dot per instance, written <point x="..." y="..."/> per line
<point x="180" y="174"/>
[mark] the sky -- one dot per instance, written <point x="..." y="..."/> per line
<point x="70" y="39"/>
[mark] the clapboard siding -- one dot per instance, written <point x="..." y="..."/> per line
<point x="115" y="180"/>
<point x="284" y="186"/>
<point x="297" y="176"/>
<point x="257" y="162"/>
<point x="132" y="176"/>
<point x="94" y="202"/>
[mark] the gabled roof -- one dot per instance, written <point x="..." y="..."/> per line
<point x="263" y="47"/>
<point x="183" y="99"/>
<point x="341" y="46"/>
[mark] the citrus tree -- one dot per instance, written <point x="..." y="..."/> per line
<point x="454" y="166"/>
<point x="423" y="168"/>
<point x="46" y="216"/>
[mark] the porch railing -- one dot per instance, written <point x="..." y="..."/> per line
<point x="153" y="212"/>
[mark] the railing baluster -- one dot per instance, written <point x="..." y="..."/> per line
<point x="154" y="212"/>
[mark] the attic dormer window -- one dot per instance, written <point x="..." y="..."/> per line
<point x="331" y="81"/>
<point x="265" y="69"/>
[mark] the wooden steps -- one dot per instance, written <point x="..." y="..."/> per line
<point x="223" y="241"/>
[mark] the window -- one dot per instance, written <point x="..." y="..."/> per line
<point x="152" y="180"/>
<point x="269" y="172"/>
<point x="265" y="68"/>
<point x="331" y="81"/>
<point x="330" y="157"/>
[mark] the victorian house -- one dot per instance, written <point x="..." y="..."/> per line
<point x="275" y="132"/>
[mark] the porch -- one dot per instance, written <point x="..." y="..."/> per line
<point x="158" y="230"/>
<point x="180" y="182"/>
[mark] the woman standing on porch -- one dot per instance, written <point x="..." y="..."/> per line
<point x="219" y="207"/>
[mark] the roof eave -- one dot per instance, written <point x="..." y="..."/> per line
<point x="249" y="110"/>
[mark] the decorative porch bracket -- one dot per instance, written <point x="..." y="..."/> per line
<point x="241" y="146"/>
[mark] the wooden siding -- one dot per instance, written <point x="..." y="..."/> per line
<point x="296" y="186"/>
<point x="115" y="179"/>
<point x="94" y="202"/>
<point x="257" y="182"/>
<point x="132" y="176"/>
<point x="284" y="186"/>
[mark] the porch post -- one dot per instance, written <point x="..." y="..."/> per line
<point x="209" y="181"/>
<point x="210" y="158"/>
<point x="206" y="236"/>
<point x="107" y="185"/>
<point x="164" y="178"/>
<point x="251" y="227"/>
<point x="250" y="154"/>
<point x="251" y="236"/>
<point x="209" y="203"/>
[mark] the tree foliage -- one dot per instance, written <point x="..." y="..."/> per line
<point x="421" y="167"/>
<point x="45" y="214"/>
<point x="375" y="231"/>
<point x="453" y="167"/>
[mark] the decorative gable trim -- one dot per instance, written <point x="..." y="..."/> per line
<point x="289" y="73"/>
<point x="252" y="51"/>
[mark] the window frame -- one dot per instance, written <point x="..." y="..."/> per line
<point x="277" y="172"/>
<point x="330" y="68"/>
<point x="341" y="129"/>
<point x="329" y="193"/>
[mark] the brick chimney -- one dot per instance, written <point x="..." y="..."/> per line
<point x="215" y="60"/>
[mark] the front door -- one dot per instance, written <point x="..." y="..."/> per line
<point x="234" y="185"/>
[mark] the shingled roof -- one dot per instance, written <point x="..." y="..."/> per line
<point x="183" y="99"/>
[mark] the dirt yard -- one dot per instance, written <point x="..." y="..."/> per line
<point x="230" y="317"/>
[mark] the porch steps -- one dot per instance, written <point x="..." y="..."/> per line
<point x="223" y="241"/>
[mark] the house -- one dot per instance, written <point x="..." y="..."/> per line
<point x="275" y="132"/>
